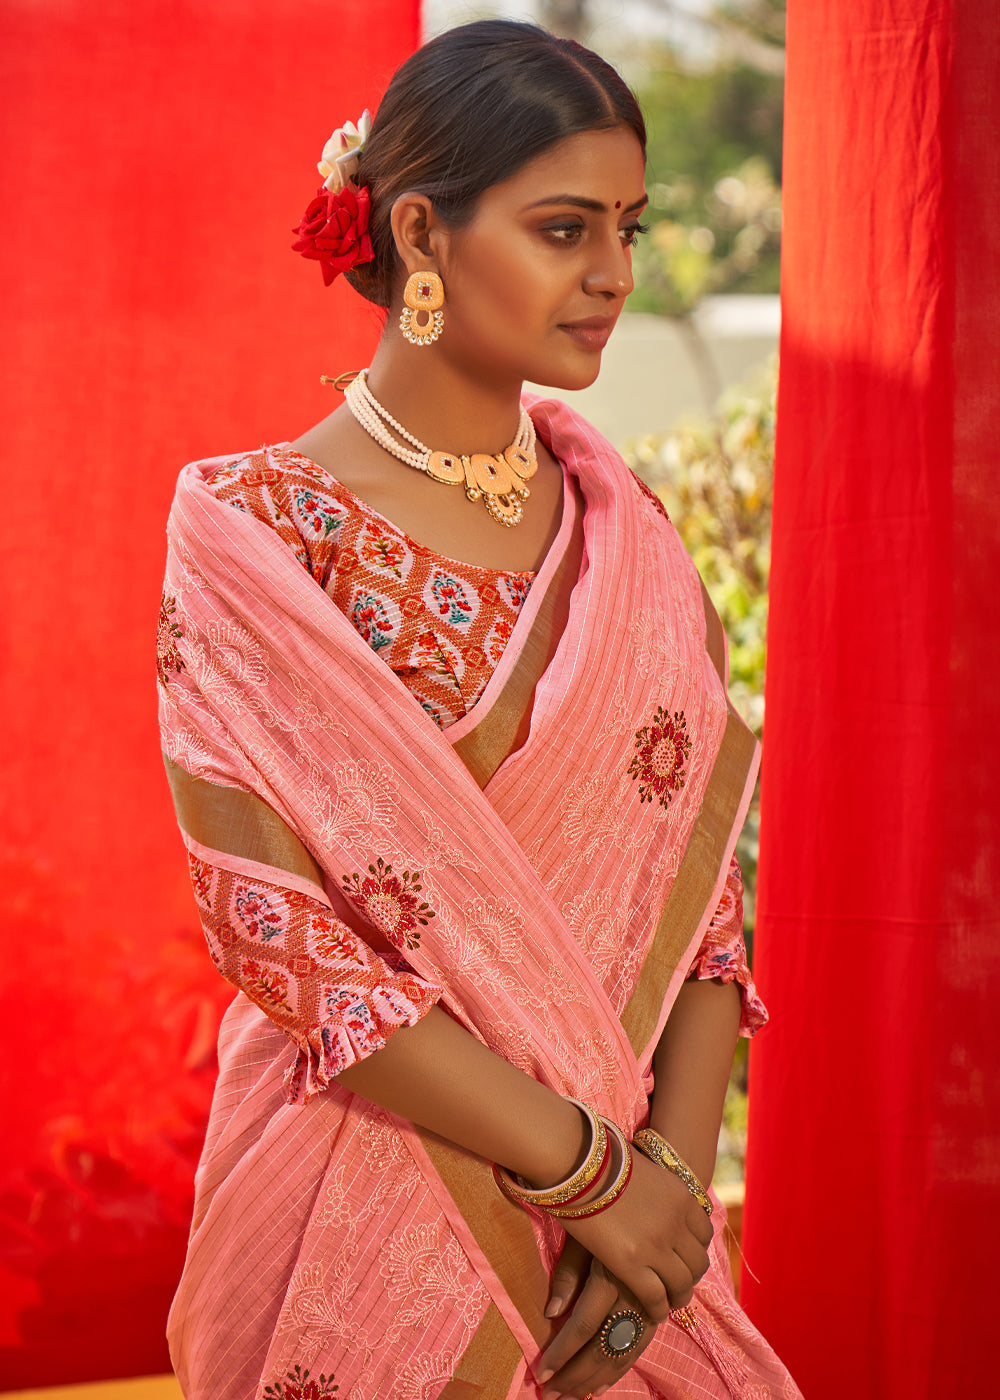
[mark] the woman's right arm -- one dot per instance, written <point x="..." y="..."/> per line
<point x="443" y="1079"/>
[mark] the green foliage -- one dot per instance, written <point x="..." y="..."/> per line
<point x="714" y="175"/>
<point x="714" y="475"/>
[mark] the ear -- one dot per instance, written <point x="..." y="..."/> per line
<point x="417" y="231"/>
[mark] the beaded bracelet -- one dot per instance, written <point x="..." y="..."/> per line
<point x="576" y="1185"/>
<point x="658" y="1150"/>
<point x="608" y="1197"/>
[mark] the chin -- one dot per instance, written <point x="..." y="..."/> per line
<point x="568" y="377"/>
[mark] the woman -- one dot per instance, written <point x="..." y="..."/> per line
<point x="460" y="790"/>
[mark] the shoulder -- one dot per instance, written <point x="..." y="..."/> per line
<point x="282" y="490"/>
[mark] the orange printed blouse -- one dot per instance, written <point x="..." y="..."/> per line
<point x="441" y="626"/>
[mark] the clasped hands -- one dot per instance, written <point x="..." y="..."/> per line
<point x="647" y="1252"/>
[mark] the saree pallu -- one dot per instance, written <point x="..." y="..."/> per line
<point x="560" y="851"/>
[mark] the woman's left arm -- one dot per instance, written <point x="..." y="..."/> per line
<point x="691" y="1066"/>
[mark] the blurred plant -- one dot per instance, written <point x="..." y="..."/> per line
<point x="714" y="475"/>
<point x="706" y="241"/>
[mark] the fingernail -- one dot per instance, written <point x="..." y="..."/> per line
<point x="544" y="1376"/>
<point x="555" y="1306"/>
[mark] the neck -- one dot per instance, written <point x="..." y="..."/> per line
<point x="447" y="407"/>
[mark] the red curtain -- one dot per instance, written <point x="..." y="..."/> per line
<point x="157" y="155"/>
<point x="873" y="1214"/>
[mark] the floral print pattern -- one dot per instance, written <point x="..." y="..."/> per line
<point x="723" y="953"/>
<point x="661" y="753"/>
<point x="383" y="552"/>
<point x="440" y="625"/>
<point x="168" y="658"/>
<point x="257" y="913"/>
<point x="450" y="600"/>
<point x="372" y="621"/>
<point x="316" y="513"/>
<point x="306" y="970"/>
<point x="390" y="902"/>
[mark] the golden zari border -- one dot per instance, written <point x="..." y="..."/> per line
<point x="503" y="1231"/>
<point x="504" y="727"/>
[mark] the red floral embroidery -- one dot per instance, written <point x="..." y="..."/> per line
<point x="661" y="751"/>
<point x="297" y="1386"/>
<point x="168" y="658"/>
<point x="390" y="902"/>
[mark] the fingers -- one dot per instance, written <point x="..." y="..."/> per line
<point x="573" y="1267"/>
<point x="590" y="1370"/>
<point x="597" y="1298"/>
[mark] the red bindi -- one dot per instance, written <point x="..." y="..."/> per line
<point x="618" y="204"/>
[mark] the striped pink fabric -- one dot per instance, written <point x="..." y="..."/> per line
<point x="322" y="1238"/>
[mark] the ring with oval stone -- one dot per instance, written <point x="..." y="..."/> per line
<point x="621" y="1333"/>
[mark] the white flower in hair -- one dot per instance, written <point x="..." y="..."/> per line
<point x="339" y="161"/>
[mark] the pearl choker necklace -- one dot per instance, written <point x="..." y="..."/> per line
<point x="498" y="481"/>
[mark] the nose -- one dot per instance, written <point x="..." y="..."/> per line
<point x="610" y="273"/>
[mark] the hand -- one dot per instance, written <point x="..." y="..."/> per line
<point x="573" y="1364"/>
<point x="654" y="1239"/>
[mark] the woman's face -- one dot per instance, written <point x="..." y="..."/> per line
<point x="535" y="283"/>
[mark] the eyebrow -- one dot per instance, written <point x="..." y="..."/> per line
<point x="581" y="202"/>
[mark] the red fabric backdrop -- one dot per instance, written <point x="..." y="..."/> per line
<point x="873" y="1212"/>
<point x="157" y="155"/>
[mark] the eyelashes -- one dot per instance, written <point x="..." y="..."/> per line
<point x="630" y="236"/>
<point x="570" y="233"/>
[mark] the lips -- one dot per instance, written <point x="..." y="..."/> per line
<point x="592" y="332"/>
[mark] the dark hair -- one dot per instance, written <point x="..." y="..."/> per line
<point x="468" y="110"/>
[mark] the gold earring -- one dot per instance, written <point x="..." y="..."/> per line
<point x="423" y="294"/>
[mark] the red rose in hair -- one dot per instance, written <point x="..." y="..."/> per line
<point x="334" y="230"/>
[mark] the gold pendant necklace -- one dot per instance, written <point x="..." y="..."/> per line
<point x="499" y="481"/>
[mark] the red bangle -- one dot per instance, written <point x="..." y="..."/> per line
<point x="575" y="1185"/>
<point x="608" y="1197"/>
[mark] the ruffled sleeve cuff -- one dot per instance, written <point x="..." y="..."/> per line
<point x="311" y="974"/>
<point x="723" y="953"/>
<point x="357" y="1022"/>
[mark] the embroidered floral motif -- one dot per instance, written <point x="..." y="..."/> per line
<point x="390" y="902"/>
<point x="662" y="750"/>
<point x="234" y="652"/>
<point x="168" y="658"/>
<point x="318" y="513"/>
<point x="297" y="1385"/>
<point x="451" y="600"/>
<point x="355" y="797"/>
<point x="372" y="621"/>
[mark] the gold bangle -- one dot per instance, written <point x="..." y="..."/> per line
<point x="658" y="1150"/>
<point x="575" y="1185"/>
<point x="608" y="1197"/>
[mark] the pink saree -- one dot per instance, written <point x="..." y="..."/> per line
<point x="550" y="862"/>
